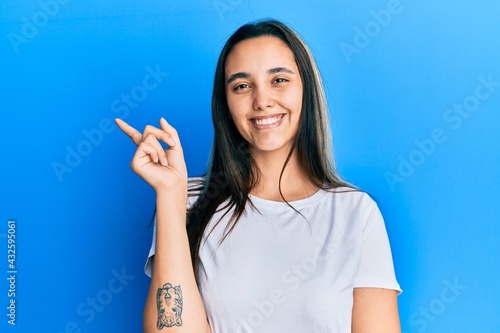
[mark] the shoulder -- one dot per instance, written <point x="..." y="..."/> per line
<point x="196" y="183"/>
<point x="350" y="198"/>
<point x="351" y="206"/>
<point x="195" y="188"/>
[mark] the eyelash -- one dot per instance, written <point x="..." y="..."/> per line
<point x="282" y="80"/>
<point x="239" y="87"/>
<point x="244" y="85"/>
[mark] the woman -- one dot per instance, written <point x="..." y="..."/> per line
<point x="274" y="241"/>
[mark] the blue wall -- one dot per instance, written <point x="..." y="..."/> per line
<point x="414" y="90"/>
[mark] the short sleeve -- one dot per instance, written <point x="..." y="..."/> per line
<point x="376" y="268"/>
<point x="148" y="269"/>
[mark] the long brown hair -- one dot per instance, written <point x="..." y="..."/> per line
<point x="231" y="173"/>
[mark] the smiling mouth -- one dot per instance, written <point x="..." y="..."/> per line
<point x="268" y="121"/>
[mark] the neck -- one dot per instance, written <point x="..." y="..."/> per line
<point x="294" y="183"/>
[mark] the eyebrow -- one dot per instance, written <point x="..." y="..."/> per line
<point x="245" y="75"/>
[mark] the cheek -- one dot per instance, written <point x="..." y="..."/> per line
<point x="236" y="111"/>
<point x="237" y="117"/>
<point x="233" y="107"/>
<point x="295" y="103"/>
<point x="299" y="94"/>
<point x="293" y="97"/>
<point x="297" y="111"/>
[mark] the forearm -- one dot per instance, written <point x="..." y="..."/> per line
<point x="172" y="266"/>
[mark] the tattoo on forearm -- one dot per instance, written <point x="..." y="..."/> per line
<point x="169" y="303"/>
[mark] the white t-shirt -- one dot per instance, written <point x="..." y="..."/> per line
<point x="279" y="271"/>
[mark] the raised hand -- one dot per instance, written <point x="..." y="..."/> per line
<point x="163" y="169"/>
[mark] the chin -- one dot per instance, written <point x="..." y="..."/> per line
<point x="272" y="147"/>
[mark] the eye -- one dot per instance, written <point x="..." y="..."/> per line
<point x="280" y="80"/>
<point x="241" y="86"/>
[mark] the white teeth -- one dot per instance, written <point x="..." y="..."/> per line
<point x="267" y="121"/>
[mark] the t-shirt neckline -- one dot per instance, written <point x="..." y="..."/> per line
<point x="300" y="203"/>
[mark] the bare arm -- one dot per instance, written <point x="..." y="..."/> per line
<point x="173" y="303"/>
<point x="375" y="310"/>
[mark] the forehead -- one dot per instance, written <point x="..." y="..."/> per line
<point x="259" y="53"/>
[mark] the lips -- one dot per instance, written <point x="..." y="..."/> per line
<point x="267" y="122"/>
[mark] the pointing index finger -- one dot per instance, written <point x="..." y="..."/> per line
<point x="133" y="134"/>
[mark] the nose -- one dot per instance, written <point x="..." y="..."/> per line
<point x="262" y="99"/>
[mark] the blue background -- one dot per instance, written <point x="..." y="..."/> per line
<point x="391" y="82"/>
